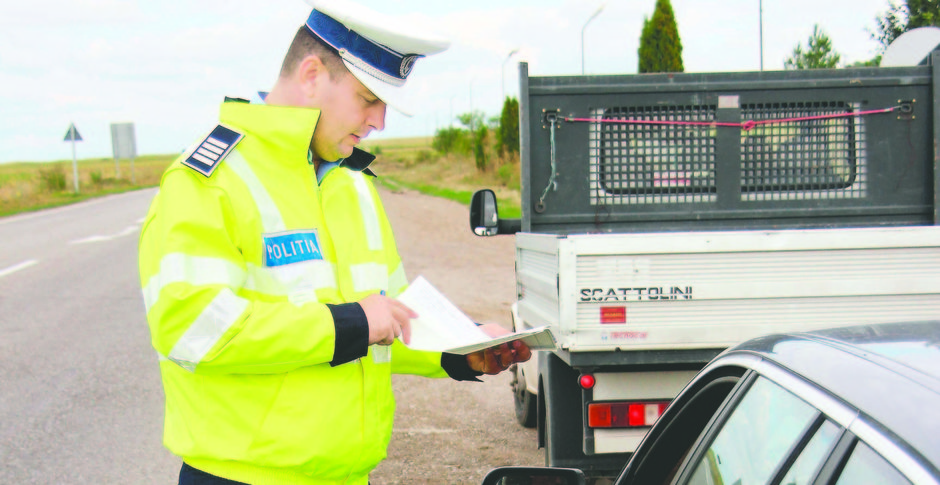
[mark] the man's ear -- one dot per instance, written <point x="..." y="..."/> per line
<point x="310" y="75"/>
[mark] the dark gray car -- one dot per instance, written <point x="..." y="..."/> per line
<point x="856" y="405"/>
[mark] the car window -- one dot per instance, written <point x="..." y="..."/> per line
<point x="658" y="459"/>
<point x="811" y="458"/>
<point x="756" y="438"/>
<point x="867" y="467"/>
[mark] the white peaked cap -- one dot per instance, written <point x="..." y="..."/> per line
<point x="379" y="49"/>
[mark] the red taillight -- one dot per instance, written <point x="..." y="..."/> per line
<point x="599" y="416"/>
<point x="624" y="414"/>
<point x="586" y="381"/>
<point x="613" y="314"/>
<point x="636" y="415"/>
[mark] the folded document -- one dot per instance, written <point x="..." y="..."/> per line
<point x="442" y="327"/>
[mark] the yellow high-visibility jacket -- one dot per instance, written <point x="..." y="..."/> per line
<point x="248" y="267"/>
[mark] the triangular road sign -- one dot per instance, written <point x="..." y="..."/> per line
<point x="72" y="134"/>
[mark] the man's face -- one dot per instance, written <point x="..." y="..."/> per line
<point x="348" y="113"/>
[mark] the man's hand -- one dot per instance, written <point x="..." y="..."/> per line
<point x="497" y="359"/>
<point x="388" y="319"/>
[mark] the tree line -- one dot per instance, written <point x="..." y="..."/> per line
<point x="487" y="140"/>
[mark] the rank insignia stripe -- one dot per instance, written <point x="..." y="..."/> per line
<point x="213" y="149"/>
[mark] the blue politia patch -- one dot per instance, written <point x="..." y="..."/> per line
<point x="291" y="247"/>
<point x="207" y="156"/>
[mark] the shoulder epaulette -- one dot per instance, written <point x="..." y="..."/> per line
<point x="210" y="153"/>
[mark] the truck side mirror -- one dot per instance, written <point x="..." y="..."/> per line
<point x="484" y="217"/>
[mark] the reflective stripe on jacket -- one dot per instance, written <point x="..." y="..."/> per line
<point x="238" y="270"/>
<point x="370" y="262"/>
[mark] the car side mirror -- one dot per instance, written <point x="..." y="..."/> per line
<point x="524" y="475"/>
<point x="484" y="216"/>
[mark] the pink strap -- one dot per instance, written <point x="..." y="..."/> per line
<point x="746" y="126"/>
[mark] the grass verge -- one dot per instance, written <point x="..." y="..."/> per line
<point x="26" y="187"/>
<point x="455" y="177"/>
<point x="508" y="208"/>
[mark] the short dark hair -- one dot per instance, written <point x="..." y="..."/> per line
<point x="306" y="44"/>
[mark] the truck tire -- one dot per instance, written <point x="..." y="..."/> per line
<point x="525" y="401"/>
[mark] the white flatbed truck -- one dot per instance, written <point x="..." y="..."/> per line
<point x="668" y="217"/>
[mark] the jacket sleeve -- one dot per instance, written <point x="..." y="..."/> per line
<point x="404" y="359"/>
<point x="431" y="364"/>
<point x="202" y="312"/>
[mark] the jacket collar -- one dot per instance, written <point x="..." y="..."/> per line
<point x="290" y="128"/>
<point x="359" y="161"/>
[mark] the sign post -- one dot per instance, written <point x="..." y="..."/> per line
<point x="73" y="136"/>
<point x="124" y="145"/>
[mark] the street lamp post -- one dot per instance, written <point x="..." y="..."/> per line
<point x="471" y="104"/>
<point x="511" y="53"/>
<point x="596" y="13"/>
<point x="760" y="6"/>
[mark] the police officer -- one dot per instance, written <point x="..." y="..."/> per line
<point x="269" y="271"/>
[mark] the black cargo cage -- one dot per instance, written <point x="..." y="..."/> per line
<point x="805" y="155"/>
<point x="815" y="148"/>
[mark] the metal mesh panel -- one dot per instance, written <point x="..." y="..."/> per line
<point x="810" y="159"/>
<point x="652" y="164"/>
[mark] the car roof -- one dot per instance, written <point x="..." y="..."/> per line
<point x="889" y="372"/>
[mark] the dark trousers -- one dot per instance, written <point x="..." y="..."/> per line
<point x="192" y="476"/>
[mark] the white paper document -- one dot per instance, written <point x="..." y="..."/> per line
<point x="442" y="327"/>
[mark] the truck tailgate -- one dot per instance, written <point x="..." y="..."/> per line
<point x="714" y="289"/>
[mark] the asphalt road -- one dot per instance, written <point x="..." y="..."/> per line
<point x="81" y="398"/>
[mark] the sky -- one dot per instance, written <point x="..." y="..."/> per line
<point x="165" y="65"/>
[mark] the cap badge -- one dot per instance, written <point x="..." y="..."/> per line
<point x="407" y="64"/>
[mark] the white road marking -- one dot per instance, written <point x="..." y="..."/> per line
<point x="91" y="239"/>
<point x="17" y="267"/>
<point x="79" y="205"/>
<point x="96" y="238"/>
<point x="128" y="231"/>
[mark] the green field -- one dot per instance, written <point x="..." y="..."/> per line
<point x="413" y="164"/>
<point x="398" y="144"/>
<point x="400" y="162"/>
<point x="31" y="186"/>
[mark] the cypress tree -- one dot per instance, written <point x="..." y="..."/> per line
<point x="479" y="147"/>
<point x="507" y="138"/>
<point x="660" y="47"/>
